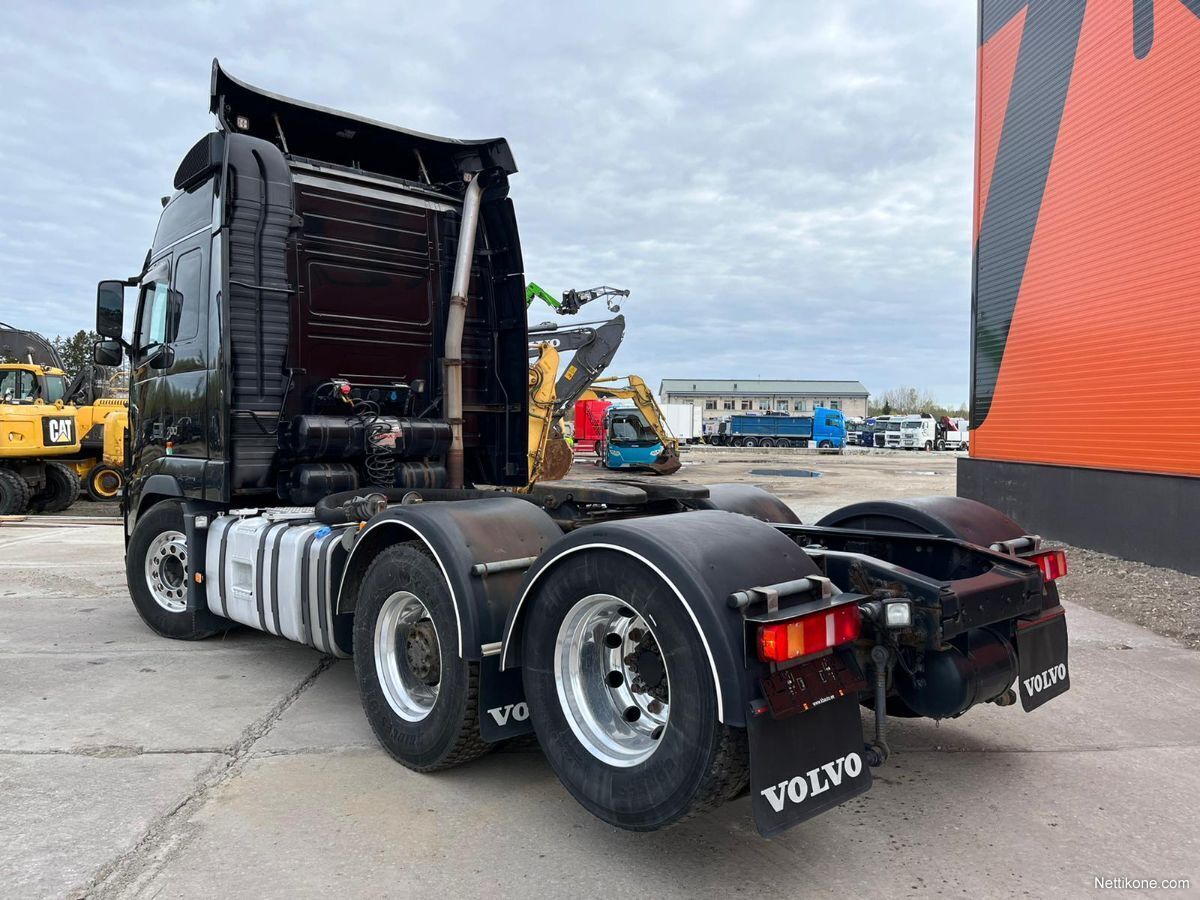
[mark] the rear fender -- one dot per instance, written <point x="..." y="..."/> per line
<point x="956" y="517"/>
<point x="460" y="535"/>
<point x="749" y="501"/>
<point x="702" y="557"/>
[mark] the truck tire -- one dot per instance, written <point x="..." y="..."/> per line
<point x="421" y="698"/>
<point x="768" y="442"/>
<point x="638" y="760"/>
<point x="61" y="490"/>
<point x="156" y="570"/>
<point x="825" y="445"/>
<point x="928" y="446"/>
<point x="750" y="442"/>
<point x="14" y="493"/>
<point x="105" y="482"/>
<point x="941" y="445"/>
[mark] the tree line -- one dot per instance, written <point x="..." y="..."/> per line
<point x="906" y="400"/>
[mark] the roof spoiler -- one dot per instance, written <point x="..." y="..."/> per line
<point x="316" y="133"/>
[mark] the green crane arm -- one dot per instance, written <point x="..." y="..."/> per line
<point x="534" y="291"/>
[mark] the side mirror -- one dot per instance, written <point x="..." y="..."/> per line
<point x="110" y="309"/>
<point x="106" y="353"/>
<point x="163" y="357"/>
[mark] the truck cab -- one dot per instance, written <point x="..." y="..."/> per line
<point x="828" y="428"/>
<point x="918" y="432"/>
<point x="287" y="328"/>
<point x="891" y="433"/>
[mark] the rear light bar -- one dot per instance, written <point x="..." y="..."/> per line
<point x="782" y="641"/>
<point x="1053" y="563"/>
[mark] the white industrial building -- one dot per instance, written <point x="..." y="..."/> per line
<point x="720" y="397"/>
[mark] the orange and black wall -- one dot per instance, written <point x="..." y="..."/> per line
<point x="1085" y="381"/>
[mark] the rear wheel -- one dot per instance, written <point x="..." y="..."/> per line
<point x="14" y="493"/>
<point x="622" y="697"/>
<point x="941" y="445"/>
<point x="156" y="567"/>
<point x="421" y="698"/>
<point x="61" y="490"/>
<point x="750" y="442"/>
<point x="768" y="442"/>
<point x="105" y="482"/>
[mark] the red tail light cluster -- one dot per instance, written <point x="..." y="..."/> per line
<point x="1053" y="563"/>
<point x="781" y="641"/>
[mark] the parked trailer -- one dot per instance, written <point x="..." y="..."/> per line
<point x="825" y="428"/>
<point x="684" y="421"/>
<point x="670" y="645"/>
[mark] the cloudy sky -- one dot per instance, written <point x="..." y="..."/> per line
<point x="784" y="187"/>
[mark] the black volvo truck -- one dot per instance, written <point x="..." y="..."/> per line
<point x="328" y="412"/>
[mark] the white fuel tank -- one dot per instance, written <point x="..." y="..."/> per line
<point x="278" y="571"/>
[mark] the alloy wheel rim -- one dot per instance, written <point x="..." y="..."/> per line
<point x="166" y="570"/>
<point x="407" y="656"/>
<point x="612" y="680"/>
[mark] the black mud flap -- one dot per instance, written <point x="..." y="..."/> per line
<point x="805" y="764"/>
<point x="1042" y="655"/>
<point x="503" y="712"/>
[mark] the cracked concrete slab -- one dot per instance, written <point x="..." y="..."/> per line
<point x="328" y="716"/>
<point x="63" y="817"/>
<point x="156" y="701"/>
<point x="316" y="824"/>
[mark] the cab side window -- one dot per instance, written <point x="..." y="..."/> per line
<point x="153" y="328"/>
<point x="171" y="313"/>
<point x="183" y="312"/>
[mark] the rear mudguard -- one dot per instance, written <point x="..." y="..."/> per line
<point x="749" y="501"/>
<point x="958" y="517"/>
<point x="703" y="557"/>
<point x="461" y="535"/>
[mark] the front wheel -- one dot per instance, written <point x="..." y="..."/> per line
<point x="622" y="698"/>
<point x="156" y="567"/>
<point x="421" y="698"/>
<point x="928" y="446"/>
<point x="825" y="445"/>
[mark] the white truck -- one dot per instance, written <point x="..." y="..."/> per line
<point x="924" y="432"/>
<point x="918" y="432"/>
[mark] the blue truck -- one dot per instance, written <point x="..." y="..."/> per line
<point x="825" y="428"/>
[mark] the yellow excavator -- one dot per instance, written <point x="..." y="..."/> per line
<point x="48" y="444"/>
<point x="636" y="438"/>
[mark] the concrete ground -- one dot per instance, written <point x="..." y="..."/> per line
<point x="131" y="766"/>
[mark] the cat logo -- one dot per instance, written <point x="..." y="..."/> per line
<point x="58" y="431"/>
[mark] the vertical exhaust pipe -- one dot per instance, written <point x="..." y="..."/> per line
<point x="452" y="384"/>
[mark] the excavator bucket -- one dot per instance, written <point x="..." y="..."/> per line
<point x="556" y="460"/>
<point x="668" y="462"/>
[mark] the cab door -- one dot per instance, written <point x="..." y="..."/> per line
<point x="168" y="381"/>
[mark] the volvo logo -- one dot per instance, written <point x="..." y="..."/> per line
<point x="814" y="781"/>
<point x="518" y="712"/>
<point x="1044" y="680"/>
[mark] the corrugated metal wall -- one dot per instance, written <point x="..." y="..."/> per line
<point x="1086" y="318"/>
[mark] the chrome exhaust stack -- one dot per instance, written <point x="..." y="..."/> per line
<point x="452" y="388"/>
